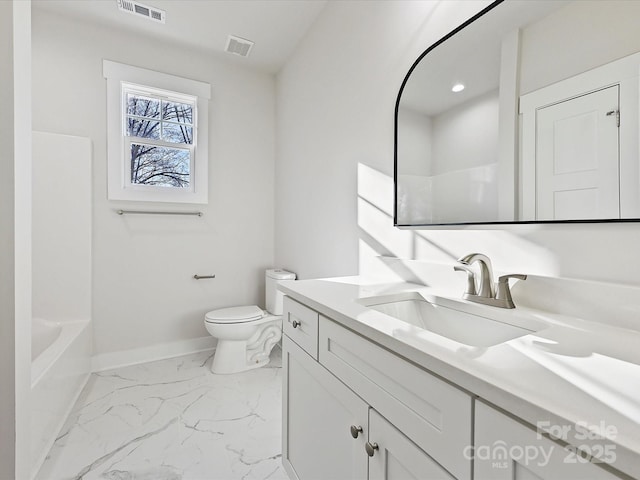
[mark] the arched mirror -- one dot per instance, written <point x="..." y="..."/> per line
<point x="528" y="112"/>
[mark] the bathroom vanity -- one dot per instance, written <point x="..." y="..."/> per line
<point x="373" y="390"/>
<point x="401" y="381"/>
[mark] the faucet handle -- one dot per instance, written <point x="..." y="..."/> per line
<point x="471" y="279"/>
<point x="503" y="292"/>
<point x="505" y="278"/>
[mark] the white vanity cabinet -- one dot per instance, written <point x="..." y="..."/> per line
<point x="354" y="410"/>
<point x="330" y="432"/>
<point x="432" y="413"/>
<point x="393" y="420"/>
<point x="506" y="449"/>
<point x="318" y="412"/>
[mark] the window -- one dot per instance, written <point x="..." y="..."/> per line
<point x="159" y="143"/>
<point x="157" y="136"/>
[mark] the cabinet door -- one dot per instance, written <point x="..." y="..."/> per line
<point x="508" y="450"/>
<point x="432" y="413"/>
<point x="318" y="412"/>
<point x="396" y="457"/>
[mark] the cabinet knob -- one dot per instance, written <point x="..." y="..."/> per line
<point x="355" y="430"/>
<point x="370" y="448"/>
<point x="295" y="324"/>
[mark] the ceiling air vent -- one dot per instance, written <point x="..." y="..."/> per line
<point x="146" y="11"/>
<point x="239" y="46"/>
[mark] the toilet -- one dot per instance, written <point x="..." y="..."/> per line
<point x="246" y="334"/>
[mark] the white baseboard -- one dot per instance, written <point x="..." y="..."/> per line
<point x="124" y="358"/>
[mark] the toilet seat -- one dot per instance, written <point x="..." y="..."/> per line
<point x="235" y="314"/>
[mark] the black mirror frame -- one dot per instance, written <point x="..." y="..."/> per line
<point x="395" y="150"/>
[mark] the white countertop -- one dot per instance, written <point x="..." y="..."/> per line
<point x="574" y="373"/>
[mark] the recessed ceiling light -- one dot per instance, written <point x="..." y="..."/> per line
<point x="458" y="87"/>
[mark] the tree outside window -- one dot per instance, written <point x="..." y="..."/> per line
<point x="161" y="149"/>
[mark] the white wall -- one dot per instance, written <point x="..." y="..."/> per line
<point x="143" y="290"/>
<point x="478" y="118"/>
<point x="336" y="99"/>
<point x="15" y="238"/>
<point x="465" y="182"/>
<point x="576" y="38"/>
<point x="414" y="142"/>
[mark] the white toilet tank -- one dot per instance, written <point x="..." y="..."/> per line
<point x="274" y="297"/>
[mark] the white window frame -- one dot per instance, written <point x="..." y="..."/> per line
<point x="120" y="77"/>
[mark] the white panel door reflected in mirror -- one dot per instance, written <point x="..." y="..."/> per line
<point x="577" y="158"/>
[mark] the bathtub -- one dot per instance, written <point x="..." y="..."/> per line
<point x="60" y="366"/>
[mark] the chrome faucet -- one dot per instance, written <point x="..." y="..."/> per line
<point x="487" y="293"/>
<point x="486" y="273"/>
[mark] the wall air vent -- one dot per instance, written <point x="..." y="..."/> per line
<point x="146" y="11"/>
<point x="238" y="46"/>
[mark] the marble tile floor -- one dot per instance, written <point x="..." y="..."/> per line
<point x="173" y="420"/>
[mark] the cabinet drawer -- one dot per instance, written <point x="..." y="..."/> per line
<point x="430" y="412"/>
<point x="300" y="324"/>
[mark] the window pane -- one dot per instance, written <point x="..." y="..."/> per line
<point x="177" y="112"/>
<point x="143" y="106"/>
<point x="160" y="166"/>
<point x="175" y="133"/>
<point x="143" y="128"/>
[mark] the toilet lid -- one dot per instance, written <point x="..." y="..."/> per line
<point x="235" y="314"/>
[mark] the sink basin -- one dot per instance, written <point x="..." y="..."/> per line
<point x="448" y="318"/>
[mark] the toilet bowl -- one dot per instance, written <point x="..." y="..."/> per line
<point x="247" y="334"/>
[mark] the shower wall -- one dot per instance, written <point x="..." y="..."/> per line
<point x="61" y="227"/>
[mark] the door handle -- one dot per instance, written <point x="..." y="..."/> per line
<point x="616" y="113"/>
